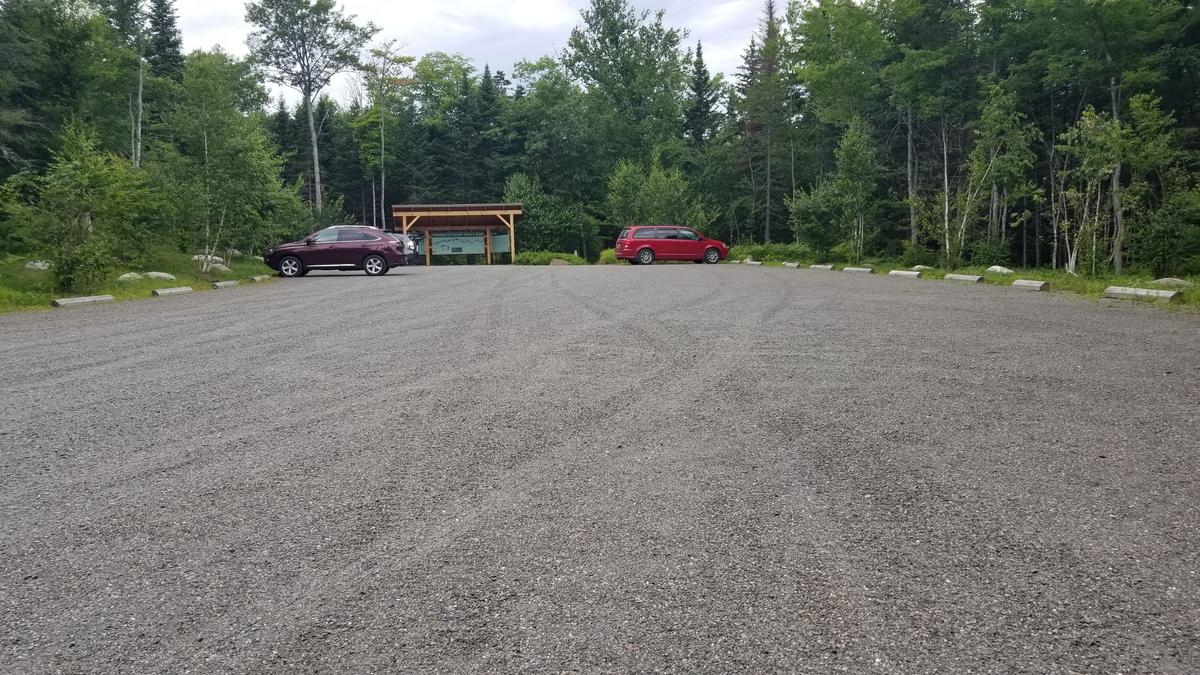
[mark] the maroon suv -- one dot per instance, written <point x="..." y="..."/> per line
<point x="643" y="244"/>
<point x="341" y="247"/>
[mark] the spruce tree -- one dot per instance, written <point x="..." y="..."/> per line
<point x="488" y="147"/>
<point x="699" y="116"/>
<point x="164" y="49"/>
<point x="280" y="127"/>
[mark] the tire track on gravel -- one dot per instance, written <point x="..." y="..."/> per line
<point x="546" y="465"/>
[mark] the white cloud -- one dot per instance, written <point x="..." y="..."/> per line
<point x="486" y="31"/>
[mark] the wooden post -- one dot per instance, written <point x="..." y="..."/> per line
<point x="428" y="247"/>
<point x="487" y="244"/>
<point x="408" y="224"/>
<point x="512" y="240"/>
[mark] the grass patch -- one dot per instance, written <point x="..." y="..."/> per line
<point x="1060" y="281"/>
<point x="22" y="289"/>
<point x="771" y="253"/>
<point x="544" y="258"/>
<point x="1085" y="285"/>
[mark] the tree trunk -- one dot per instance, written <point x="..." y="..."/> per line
<point x="1118" y="215"/>
<point x="911" y="169"/>
<point x="993" y="209"/>
<point x="945" y="195"/>
<point x="316" y="155"/>
<point x="753" y="197"/>
<point x="1053" y="212"/>
<point x="207" y="205"/>
<point x="1037" y="239"/>
<point x="767" y="185"/>
<point x="1003" y="215"/>
<point x="137" y="145"/>
<point x="792" y="161"/>
<point x="382" y="170"/>
<point x="1025" y="244"/>
<point x="132" y="132"/>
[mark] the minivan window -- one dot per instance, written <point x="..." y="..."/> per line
<point x="644" y="233"/>
<point x="668" y="233"/>
<point x="624" y="234"/>
<point x="688" y="234"/>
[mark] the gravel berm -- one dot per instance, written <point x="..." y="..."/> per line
<point x="670" y="468"/>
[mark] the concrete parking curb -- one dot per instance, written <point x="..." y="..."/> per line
<point x="911" y="274"/>
<point x="753" y="262"/>
<point x="259" y="278"/>
<point x="1126" y="293"/>
<point x="791" y="264"/>
<point x="858" y="270"/>
<point x="968" y="278"/>
<point x="85" y="300"/>
<point x="224" y="284"/>
<point x="820" y="267"/>
<point x="159" y="292"/>
<point x="1031" y="285"/>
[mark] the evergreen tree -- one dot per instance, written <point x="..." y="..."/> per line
<point x="488" y="150"/>
<point x="765" y="99"/>
<point x="280" y="127"/>
<point x="700" y="117"/>
<point x="163" y="48"/>
<point x="126" y="19"/>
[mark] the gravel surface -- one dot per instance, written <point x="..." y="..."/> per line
<point x="677" y="467"/>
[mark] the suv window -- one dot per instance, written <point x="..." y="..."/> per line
<point x="325" y="236"/>
<point x="353" y="235"/>
<point x="645" y="233"/>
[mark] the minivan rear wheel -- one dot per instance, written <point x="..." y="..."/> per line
<point x="645" y="256"/>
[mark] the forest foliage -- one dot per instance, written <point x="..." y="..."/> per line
<point x="953" y="132"/>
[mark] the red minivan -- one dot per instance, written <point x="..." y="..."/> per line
<point x="643" y="244"/>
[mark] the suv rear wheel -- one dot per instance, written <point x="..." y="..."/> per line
<point x="374" y="265"/>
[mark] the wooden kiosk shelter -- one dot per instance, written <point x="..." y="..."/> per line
<point x="430" y="219"/>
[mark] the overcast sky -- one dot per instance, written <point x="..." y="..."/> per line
<point x="495" y="32"/>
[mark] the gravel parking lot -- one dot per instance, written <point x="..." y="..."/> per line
<point x="676" y="467"/>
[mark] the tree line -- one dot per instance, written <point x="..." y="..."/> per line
<point x="1055" y="133"/>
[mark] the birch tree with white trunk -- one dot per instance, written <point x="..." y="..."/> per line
<point x="303" y="45"/>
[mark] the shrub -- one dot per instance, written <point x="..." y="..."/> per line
<point x="919" y="256"/>
<point x="994" y="253"/>
<point x="544" y="258"/>
<point x="772" y="252"/>
<point x="608" y="257"/>
<point x="82" y="264"/>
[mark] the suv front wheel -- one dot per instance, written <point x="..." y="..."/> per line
<point x="291" y="267"/>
